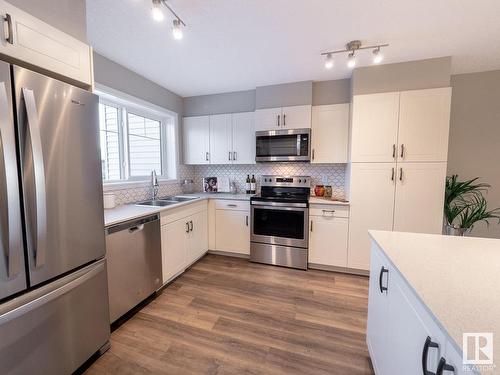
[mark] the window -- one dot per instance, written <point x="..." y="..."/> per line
<point x="135" y="141"/>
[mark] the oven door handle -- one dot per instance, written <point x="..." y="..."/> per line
<point x="279" y="204"/>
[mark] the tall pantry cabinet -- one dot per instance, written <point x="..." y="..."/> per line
<point x="398" y="154"/>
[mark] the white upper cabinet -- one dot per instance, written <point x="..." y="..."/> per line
<point x="424" y="123"/>
<point x="30" y="40"/>
<point x="374" y="133"/>
<point x="283" y="118"/>
<point x="296" y="117"/>
<point x="220" y="139"/>
<point x="268" y="119"/>
<point x="196" y="135"/>
<point x="243" y="138"/>
<point x="330" y="132"/>
<point x="419" y="198"/>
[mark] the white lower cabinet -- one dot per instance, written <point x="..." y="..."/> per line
<point x="328" y="230"/>
<point x="232" y="227"/>
<point x="184" y="238"/>
<point x="402" y="336"/>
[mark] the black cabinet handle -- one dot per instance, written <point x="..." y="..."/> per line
<point x="428" y="344"/>
<point x="284" y="120"/>
<point x="443" y="366"/>
<point x="187" y="227"/>
<point x="8" y="19"/>
<point x="191" y="225"/>
<point x="382" y="288"/>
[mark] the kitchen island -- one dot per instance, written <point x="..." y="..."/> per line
<point x="426" y="291"/>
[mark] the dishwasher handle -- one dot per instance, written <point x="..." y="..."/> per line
<point x="132" y="226"/>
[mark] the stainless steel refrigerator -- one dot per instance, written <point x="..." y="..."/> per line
<point x="53" y="290"/>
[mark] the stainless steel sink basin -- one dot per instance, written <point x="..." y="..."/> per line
<point x="166" y="201"/>
<point x="156" y="203"/>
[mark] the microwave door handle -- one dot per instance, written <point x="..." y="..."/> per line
<point x="298" y="144"/>
<point x="39" y="238"/>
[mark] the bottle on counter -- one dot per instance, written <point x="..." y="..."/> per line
<point x="252" y="185"/>
<point x="247" y="184"/>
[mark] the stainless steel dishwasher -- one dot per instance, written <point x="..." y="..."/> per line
<point x="133" y="251"/>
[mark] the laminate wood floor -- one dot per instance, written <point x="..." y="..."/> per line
<point x="229" y="316"/>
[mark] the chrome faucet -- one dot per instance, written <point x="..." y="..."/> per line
<point x="154" y="184"/>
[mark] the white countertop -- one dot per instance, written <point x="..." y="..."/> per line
<point x="457" y="278"/>
<point x="131" y="211"/>
<point x="323" y="200"/>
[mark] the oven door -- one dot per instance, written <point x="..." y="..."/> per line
<point x="279" y="223"/>
<point x="283" y="145"/>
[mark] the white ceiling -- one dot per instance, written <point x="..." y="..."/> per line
<point x="232" y="45"/>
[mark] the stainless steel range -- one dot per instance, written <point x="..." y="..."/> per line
<point x="280" y="221"/>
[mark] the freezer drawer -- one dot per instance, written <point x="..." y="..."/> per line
<point x="55" y="329"/>
<point x="133" y="252"/>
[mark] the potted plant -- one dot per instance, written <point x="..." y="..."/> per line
<point x="465" y="205"/>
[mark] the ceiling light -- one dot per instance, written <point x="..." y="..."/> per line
<point x="377" y="56"/>
<point x="176" y="30"/>
<point x="351" y="60"/>
<point x="329" y="61"/>
<point x="156" y="12"/>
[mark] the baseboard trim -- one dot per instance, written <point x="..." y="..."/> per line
<point x="351" y="271"/>
<point x="229" y="254"/>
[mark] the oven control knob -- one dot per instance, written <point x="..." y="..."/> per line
<point x="305" y="181"/>
<point x="300" y="181"/>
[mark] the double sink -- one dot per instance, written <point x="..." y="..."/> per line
<point x="166" y="201"/>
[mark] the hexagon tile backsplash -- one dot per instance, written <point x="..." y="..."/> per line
<point x="326" y="174"/>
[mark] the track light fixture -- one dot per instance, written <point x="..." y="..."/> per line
<point x="351" y="48"/>
<point x="157" y="14"/>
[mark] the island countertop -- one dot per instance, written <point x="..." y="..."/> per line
<point x="457" y="278"/>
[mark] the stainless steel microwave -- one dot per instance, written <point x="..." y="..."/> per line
<point x="283" y="145"/>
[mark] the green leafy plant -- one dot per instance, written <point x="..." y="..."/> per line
<point x="465" y="204"/>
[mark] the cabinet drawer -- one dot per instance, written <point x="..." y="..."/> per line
<point x="225" y="204"/>
<point x="178" y="213"/>
<point x="328" y="210"/>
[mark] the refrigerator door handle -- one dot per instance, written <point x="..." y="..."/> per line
<point x="11" y="237"/>
<point x="28" y="306"/>
<point x="40" y="238"/>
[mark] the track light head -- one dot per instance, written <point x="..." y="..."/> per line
<point x="177" y="30"/>
<point x="156" y="11"/>
<point x="329" y="61"/>
<point x="351" y="60"/>
<point x="377" y="56"/>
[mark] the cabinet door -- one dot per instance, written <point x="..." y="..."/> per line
<point x="220" y="139"/>
<point x="378" y="312"/>
<point x="330" y="128"/>
<point x="371" y="207"/>
<point x="408" y="325"/>
<point x="328" y="240"/>
<point x="174" y="248"/>
<point x="268" y="119"/>
<point x="420" y="197"/>
<point x="374" y="127"/>
<point x="196" y="134"/>
<point x="198" y="237"/>
<point x="243" y="138"/>
<point x="232" y="231"/>
<point x="296" y="117"/>
<point x="39" y="44"/>
<point x="424" y="124"/>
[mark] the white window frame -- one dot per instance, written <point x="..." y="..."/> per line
<point x="169" y="137"/>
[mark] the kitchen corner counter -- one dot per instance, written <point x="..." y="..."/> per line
<point x="131" y="211"/>
<point x="456" y="278"/>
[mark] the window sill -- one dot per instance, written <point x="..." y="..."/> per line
<point x="122" y="185"/>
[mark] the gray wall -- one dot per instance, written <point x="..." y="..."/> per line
<point x="412" y="75"/>
<point x="116" y="76"/>
<point x="67" y="15"/>
<point x="230" y="102"/>
<point x="287" y="94"/>
<point x="474" y="148"/>
<point x="331" y="92"/>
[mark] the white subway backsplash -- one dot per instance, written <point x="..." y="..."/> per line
<point x="321" y="174"/>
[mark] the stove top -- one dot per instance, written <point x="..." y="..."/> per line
<point x="286" y="189"/>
